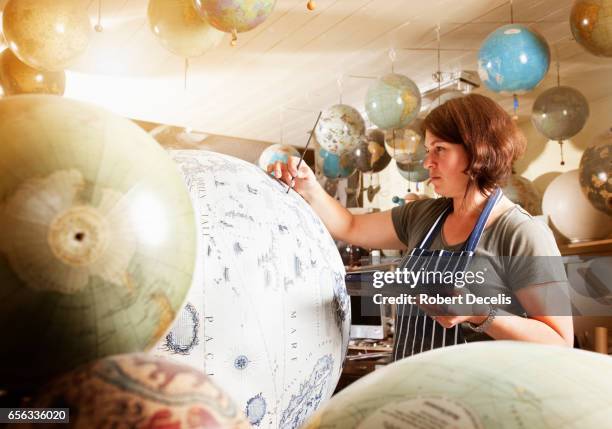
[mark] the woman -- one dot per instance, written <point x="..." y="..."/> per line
<point x="471" y="144"/>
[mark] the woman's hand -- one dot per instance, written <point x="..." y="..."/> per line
<point x="305" y="182"/>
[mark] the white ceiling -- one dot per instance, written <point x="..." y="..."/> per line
<point x="282" y="73"/>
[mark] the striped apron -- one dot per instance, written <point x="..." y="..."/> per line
<point x="415" y="331"/>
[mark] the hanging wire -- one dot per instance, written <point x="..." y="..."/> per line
<point x="281" y="120"/>
<point x="559" y="84"/>
<point x="185" y="73"/>
<point x="339" y="82"/>
<point x="392" y="57"/>
<point x="511" y="13"/>
<point x="98" y="27"/>
<point x="439" y="71"/>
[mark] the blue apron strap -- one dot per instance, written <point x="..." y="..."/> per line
<point x="425" y="243"/>
<point x="482" y="221"/>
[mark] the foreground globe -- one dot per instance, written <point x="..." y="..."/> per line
<point x="485" y="385"/>
<point x="393" y="101"/>
<point x="513" y="59"/>
<point x="97" y="237"/>
<point x="559" y="113"/>
<point x="523" y="192"/>
<point x="571" y="213"/>
<point x="340" y="129"/>
<point x="591" y="25"/>
<point x="276" y="152"/>
<point x="596" y="173"/>
<point x="138" y="391"/>
<point x="268" y="315"/>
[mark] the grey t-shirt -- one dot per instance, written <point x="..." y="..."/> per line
<point x="515" y="251"/>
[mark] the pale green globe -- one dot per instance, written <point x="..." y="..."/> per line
<point x="97" y="237"/>
<point x="486" y="385"/>
<point x="393" y="101"/>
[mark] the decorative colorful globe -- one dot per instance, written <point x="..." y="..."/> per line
<point x="234" y="15"/>
<point x="596" y="173"/>
<point x="268" y="316"/>
<point x="180" y="29"/>
<point x="571" y="213"/>
<point x="413" y="171"/>
<point x="335" y="166"/>
<point x="276" y="152"/>
<point x="340" y="129"/>
<point x="16" y="77"/>
<point x="393" y="101"/>
<point x="139" y="391"/>
<point x="90" y="205"/>
<point x="407" y="144"/>
<point x="560" y="113"/>
<point x="591" y="24"/>
<point x="522" y="191"/>
<point x="371" y="156"/>
<point x="480" y="385"/>
<point x="46" y="34"/>
<point x="513" y="59"/>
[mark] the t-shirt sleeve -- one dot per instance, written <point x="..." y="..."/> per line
<point x="401" y="216"/>
<point x="534" y="257"/>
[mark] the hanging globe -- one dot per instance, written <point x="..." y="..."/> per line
<point x="180" y="29"/>
<point x="89" y="206"/>
<point x="443" y="98"/>
<point x="513" y="59"/>
<point x="370" y="156"/>
<point x="522" y="191"/>
<point x="413" y="171"/>
<point x="559" y="113"/>
<point x="340" y="129"/>
<point x="234" y="16"/>
<point x="276" y="152"/>
<point x="139" y="390"/>
<point x="393" y="101"/>
<point x="407" y="144"/>
<point x="17" y="77"/>
<point x="335" y="166"/>
<point x="46" y="34"/>
<point x="570" y="211"/>
<point x="596" y="173"/>
<point x="479" y="385"/>
<point x="591" y="24"/>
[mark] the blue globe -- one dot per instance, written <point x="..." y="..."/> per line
<point x="513" y="59"/>
<point x="335" y="166"/>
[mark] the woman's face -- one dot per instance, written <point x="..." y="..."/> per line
<point x="446" y="163"/>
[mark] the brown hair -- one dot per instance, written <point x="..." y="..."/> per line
<point x="491" y="138"/>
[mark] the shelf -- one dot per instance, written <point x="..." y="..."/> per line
<point x="597" y="247"/>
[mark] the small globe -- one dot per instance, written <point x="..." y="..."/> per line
<point x="371" y="156"/>
<point x="407" y="144"/>
<point x="393" y="101"/>
<point x="234" y="15"/>
<point x="596" y="173"/>
<point x="139" y="391"/>
<point x="591" y="24"/>
<point x="17" y="77"/>
<point x="340" y="129"/>
<point x="482" y="385"/>
<point x="335" y="166"/>
<point x="276" y="152"/>
<point x="569" y="210"/>
<point x="90" y="205"/>
<point x="522" y="192"/>
<point x="46" y="34"/>
<point x="513" y="59"/>
<point x="180" y="29"/>
<point x="413" y="171"/>
<point x="560" y="113"/>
